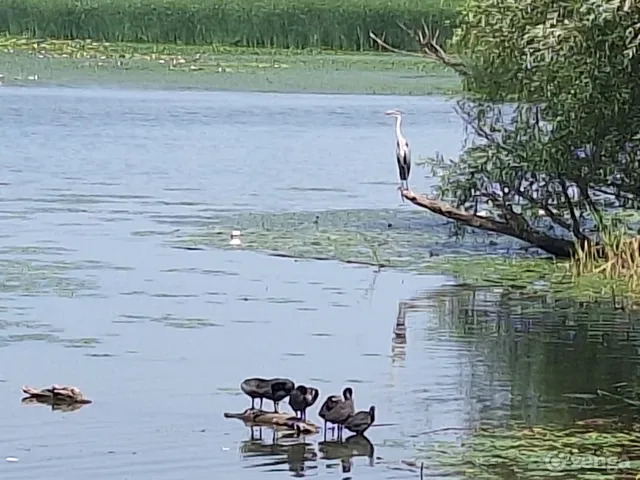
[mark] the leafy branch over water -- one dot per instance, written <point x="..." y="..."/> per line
<point x="553" y="168"/>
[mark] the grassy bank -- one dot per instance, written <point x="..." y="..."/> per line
<point x="335" y="24"/>
<point x="67" y="62"/>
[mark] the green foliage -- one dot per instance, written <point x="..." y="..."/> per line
<point x="567" y="153"/>
<point x="337" y="24"/>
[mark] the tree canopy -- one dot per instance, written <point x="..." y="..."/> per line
<point x="552" y="100"/>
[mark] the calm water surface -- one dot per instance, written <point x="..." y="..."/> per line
<point x="93" y="295"/>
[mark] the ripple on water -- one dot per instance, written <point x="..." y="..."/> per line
<point x="185" y="322"/>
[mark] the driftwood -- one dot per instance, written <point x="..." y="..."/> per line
<point x="256" y="417"/>
<point x="60" y="397"/>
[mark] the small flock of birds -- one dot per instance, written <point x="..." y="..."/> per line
<point x="337" y="410"/>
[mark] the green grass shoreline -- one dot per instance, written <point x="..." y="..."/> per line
<point x="214" y="67"/>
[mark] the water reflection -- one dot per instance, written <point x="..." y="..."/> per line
<point x="399" y="338"/>
<point x="283" y="448"/>
<point x="345" y="451"/>
<point x="300" y="456"/>
<point x="547" y="373"/>
<point x="55" y="406"/>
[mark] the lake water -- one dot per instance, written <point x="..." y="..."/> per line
<point x="96" y="181"/>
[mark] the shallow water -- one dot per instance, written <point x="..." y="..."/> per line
<point x="97" y="186"/>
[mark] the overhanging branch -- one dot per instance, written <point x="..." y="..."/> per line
<point x="428" y="43"/>
<point x="557" y="247"/>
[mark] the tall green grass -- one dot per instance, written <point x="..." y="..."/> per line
<point x="332" y="24"/>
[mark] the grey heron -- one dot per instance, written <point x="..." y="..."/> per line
<point x="403" y="153"/>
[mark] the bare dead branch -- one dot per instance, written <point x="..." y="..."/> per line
<point x="558" y="247"/>
<point x="429" y="46"/>
<point x="392" y="49"/>
<point x="470" y="120"/>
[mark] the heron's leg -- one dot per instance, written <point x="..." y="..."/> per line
<point x="253" y="402"/>
<point x="275" y="406"/>
<point x="261" y="400"/>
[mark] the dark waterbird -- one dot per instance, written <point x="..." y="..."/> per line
<point x="274" y="389"/>
<point x="360" y="422"/>
<point x="301" y="398"/>
<point x="337" y="410"/>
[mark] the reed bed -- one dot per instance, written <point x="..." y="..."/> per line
<point x="616" y="258"/>
<point x="332" y="24"/>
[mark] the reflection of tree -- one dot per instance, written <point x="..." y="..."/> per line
<point x="536" y="350"/>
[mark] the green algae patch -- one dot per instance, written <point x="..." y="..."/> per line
<point x="77" y="62"/>
<point x="410" y="241"/>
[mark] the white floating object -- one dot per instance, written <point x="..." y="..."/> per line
<point x="235" y="238"/>
<point x="11" y="459"/>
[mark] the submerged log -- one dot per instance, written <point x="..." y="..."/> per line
<point x="55" y="395"/>
<point x="257" y="417"/>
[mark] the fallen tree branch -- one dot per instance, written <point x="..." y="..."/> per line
<point x="557" y="247"/>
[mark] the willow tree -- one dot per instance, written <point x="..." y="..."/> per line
<point x="552" y="102"/>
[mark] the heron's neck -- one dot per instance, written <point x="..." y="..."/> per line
<point x="398" y="131"/>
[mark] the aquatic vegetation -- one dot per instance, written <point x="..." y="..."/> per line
<point x="616" y="260"/>
<point x="228" y="68"/>
<point x="338" y="24"/>
<point x="412" y="241"/>
<point x="33" y="277"/>
<point x="528" y="451"/>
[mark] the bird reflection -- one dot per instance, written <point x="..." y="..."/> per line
<point x="399" y="339"/>
<point x="55" y="406"/>
<point x="353" y="446"/>
<point x="283" y="448"/>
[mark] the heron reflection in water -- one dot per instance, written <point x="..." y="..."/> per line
<point x="399" y="338"/>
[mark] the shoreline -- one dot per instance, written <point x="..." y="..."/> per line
<point x="74" y="63"/>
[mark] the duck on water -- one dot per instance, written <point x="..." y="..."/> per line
<point x="274" y="389"/>
<point x="301" y="398"/>
<point x="337" y="410"/>
<point x="360" y="422"/>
